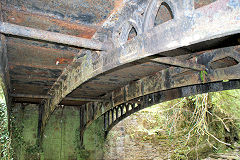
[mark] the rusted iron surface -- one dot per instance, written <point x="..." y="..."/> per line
<point x="188" y="30"/>
<point x="191" y="29"/>
<point x="31" y="62"/>
<point x="176" y="82"/>
<point x="114" y="115"/>
<point x="110" y="81"/>
<point x="177" y="77"/>
<point x="39" y="100"/>
<point x="120" y="112"/>
<point x="81" y="11"/>
<point x="32" y="88"/>
<point x="28" y="54"/>
<point x="12" y="29"/>
<point x="48" y="23"/>
<point x="4" y="68"/>
<point x="176" y="62"/>
<point x="66" y="98"/>
<point x="68" y="50"/>
<point x="125" y="72"/>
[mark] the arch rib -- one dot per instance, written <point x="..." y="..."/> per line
<point x="168" y="95"/>
<point x="191" y="29"/>
<point x="154" y="89"/>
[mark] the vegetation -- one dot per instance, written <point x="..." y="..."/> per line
<point x="195" y="127"/>
<point x="4" y="134"/>
<point x="199" y="126"/>
<point x="5" y="141"/>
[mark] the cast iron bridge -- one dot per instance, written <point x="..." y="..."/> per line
<point x="114" y="58"/>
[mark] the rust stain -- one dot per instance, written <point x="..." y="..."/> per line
<point x="117" y="5"/>
<point x="14" y="17"/>
<point x="46" y="22"/>
<point x="33" y="77"/>
<point x="40" y="48"/>
<point x="11" y="67"/>
<point x="63" y="60"/>
<point x="85" y="31"/>
<point x="17" y="64"/>
<point x="38" y="56"/>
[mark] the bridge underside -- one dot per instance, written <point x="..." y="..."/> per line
<point x="113" y="58"/>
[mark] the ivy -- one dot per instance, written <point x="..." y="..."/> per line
<point x="17" y="137"/>
<point x="32" y="152"/>
<point x="5" y="141"/>
<point x="203" y="74"/>
<point x="19" y="145"/>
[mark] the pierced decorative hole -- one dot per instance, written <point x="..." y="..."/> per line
<point x="201" y="3"/>
<point x="124" y="110"/>
<point x="164" y="14"/>
<point x="120" y="111"/>
<point x="117" y="112"/>
<point x="114" y="115"/>
<point x="223" y="63"/>
<point x="130" y="107"/>
<point x="135" y="105"/>
<point x="132" y="33"/>
<point x="110" y="118"/>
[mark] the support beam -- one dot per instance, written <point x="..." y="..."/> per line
<point x="173" y="83"/>
<point x="160" y="39"/>
<point x="48" y="97"/>
<point x="167" y="95"/>
<point x="179" y="63"/>
<point x="35" y="20"/>
<point x="39" y="136"/>
<point x="4" y="69"/>
<point x="12" y="29"/>
<point x="175" y="77"/>
<point x="174" y="34"/>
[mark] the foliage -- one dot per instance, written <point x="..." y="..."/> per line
<point x="203" y="75"/>
<point x="228" y="102"/>
<point x="5" y="141"/>
<point x="83" y="154"/>
<point x="203" y="124"/>
<point x="192" y="127"/>
<point x="32" y="152"/>
<point x="19" y="145"/>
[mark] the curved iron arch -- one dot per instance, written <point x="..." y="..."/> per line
<point x="113" y="116"/>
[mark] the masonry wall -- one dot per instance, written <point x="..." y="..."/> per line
<point x="134" y="139"/>
<point x="61" y="136"/>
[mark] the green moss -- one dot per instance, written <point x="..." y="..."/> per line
<point x="94" y="140"/>
<point x="32" y="152"/>
<point x="83" y="154"/>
